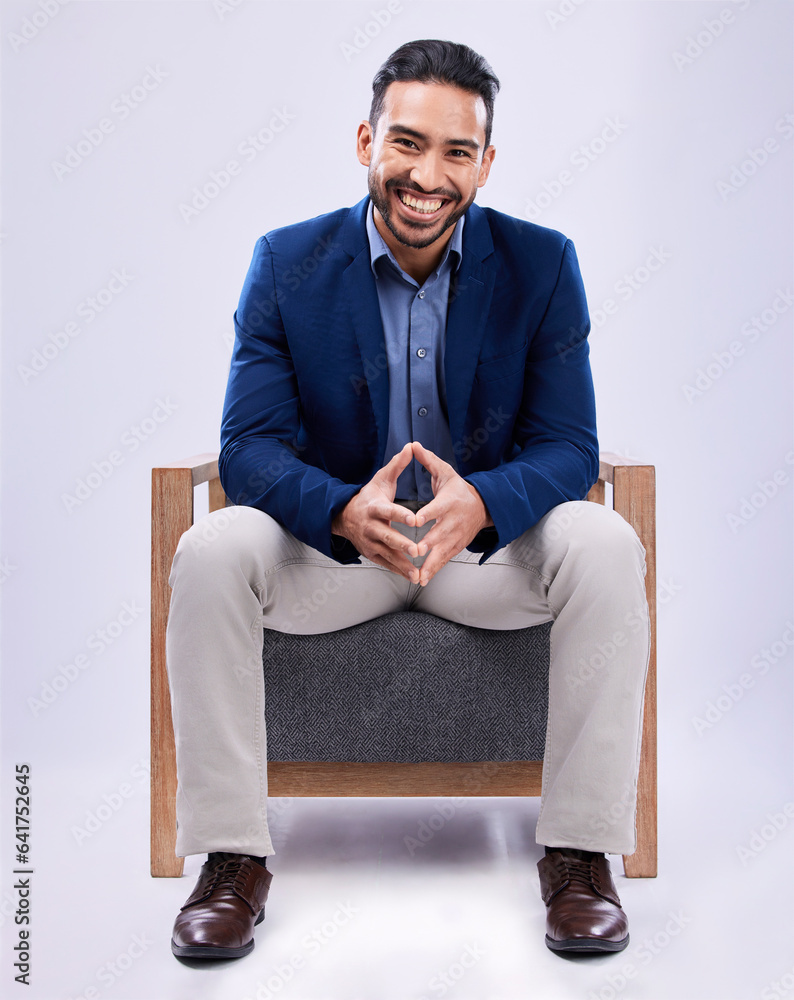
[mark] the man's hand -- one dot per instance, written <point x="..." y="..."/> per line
<point x="365" y="520"/>
<point x="457" y="509"/>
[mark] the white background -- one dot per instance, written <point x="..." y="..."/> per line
<point x="686" y="124"/>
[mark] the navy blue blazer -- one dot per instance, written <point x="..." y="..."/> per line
<point x="306" y="411"/>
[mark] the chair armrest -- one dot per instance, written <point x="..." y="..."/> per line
<point x="609" y="462"/>
<point x="203" y="468"/>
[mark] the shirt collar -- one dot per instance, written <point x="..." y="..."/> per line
<point x="378" y="247"/>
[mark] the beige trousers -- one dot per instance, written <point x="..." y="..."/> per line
<point x="237" y="571"/>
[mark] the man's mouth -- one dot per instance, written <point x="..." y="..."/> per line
<point x="424" y="206"/>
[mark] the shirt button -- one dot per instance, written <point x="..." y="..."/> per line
<point x="421" y="352"/>
<point x="421" y="295"/>
<point x="422" y="411"/>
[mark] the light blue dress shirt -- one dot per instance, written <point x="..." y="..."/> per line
<point x="414" y="325"/>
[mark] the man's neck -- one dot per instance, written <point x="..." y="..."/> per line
<point x="419" y="263"/>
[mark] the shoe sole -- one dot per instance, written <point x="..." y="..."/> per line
<point x="586" y="944"/>
<point x="211" y="951"/>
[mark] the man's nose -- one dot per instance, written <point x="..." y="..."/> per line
<point x="428" y="173"/>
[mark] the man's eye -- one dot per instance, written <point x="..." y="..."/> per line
<point x="460" y="152"/>
<point x="405" y="142"/>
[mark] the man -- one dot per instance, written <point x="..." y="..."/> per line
<point x="358" y="384"/>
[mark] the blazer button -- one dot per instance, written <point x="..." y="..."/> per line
<point x="422" y="411"/>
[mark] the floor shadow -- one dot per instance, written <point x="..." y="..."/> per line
<point x="449" y="832"/>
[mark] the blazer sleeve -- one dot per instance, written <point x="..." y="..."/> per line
<point x="260" y="464"/>
<point x="554" y="439"/>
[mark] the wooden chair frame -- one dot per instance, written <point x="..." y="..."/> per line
<point x="633" y="496"/>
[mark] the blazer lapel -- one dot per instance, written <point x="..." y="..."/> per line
<point x="361" y="298"/>
<point x="466" y="318"/>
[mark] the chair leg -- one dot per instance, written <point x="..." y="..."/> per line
<point x="172" y="514"/>
<point x="635" y="499"/>
<point x="643" y="863"/>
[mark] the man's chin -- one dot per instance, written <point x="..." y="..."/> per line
<point x="418" y="241"/>
<point x="418" y="235"/>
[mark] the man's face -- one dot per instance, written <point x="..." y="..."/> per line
<point x="426" y="159"/>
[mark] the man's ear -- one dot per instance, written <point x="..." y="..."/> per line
<point x="485" y="166"/>
<point x="364" y="140"/>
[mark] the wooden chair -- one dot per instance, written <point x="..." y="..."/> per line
<point x="633" y="496"/>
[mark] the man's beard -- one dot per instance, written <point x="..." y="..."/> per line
<point x="424" y="237"/>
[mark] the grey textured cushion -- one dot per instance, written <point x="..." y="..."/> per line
<point x="407" y="687"/>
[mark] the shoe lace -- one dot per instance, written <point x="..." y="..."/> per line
<point x="227" y="875"/>
<point x="585" y="872"/>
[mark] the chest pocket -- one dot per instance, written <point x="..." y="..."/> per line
<point x="510" y="364"/>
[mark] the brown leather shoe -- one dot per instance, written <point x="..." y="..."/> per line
<point x="218" y="919"/>
<point x="583" y="911"/>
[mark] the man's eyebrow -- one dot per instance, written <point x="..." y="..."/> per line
<point x="405" y="130"/>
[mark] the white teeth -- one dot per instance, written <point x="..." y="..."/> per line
<point x="427" y="207"/>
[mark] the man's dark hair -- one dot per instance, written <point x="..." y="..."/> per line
<point x="434" y="61"/>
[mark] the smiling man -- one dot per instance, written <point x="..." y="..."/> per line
<point x="354" y="396"/>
